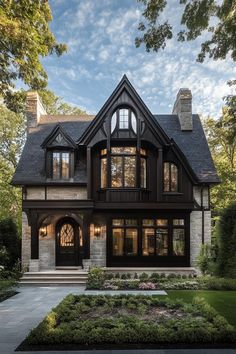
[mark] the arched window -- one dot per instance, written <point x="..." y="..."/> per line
<point x="170" y="177"/>
<point x="123" y="119"/>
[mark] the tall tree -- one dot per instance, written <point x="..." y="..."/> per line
<point x="25" y="37"/>
<point x="198" y="16"/>
<point x="221" y="135"/>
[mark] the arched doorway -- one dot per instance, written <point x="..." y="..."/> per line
<point x="68" y="238"/>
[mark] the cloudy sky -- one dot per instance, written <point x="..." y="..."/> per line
<point x="100" y="37"/>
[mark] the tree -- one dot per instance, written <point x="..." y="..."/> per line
<point x="25" y="37"/>
<point x="9" y="243"/>
<point x="221" y="136"/>
<point x="198" y="16"/>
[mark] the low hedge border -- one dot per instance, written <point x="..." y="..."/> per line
<point x="73" y="322"/>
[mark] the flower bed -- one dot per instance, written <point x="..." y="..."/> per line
<point x="81" y="321"/>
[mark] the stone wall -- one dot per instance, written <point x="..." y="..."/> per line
<point x="26" y="242"/>
<point x="98" y="247"/>
<point x="35" y="193"/>
<point x="47" y="248"/>
<point x="56" y="193"/>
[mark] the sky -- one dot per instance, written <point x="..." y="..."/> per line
<point x="100" y="36"/>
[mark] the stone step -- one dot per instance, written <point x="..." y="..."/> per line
<point x="83" y="279"/>
<point x="52" y="283"/>
<point x="56" y="274"/>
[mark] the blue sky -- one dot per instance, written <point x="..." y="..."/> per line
<point x="100" y="37"/>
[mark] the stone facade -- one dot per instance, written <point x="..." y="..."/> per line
<point x="26" y="242"/>
<point x="98" y="247"/>
<point x="56" y="193"/>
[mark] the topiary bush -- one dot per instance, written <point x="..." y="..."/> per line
<point x="226" y="240"/>
<point x="96" y="278"/>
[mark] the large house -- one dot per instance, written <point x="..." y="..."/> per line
<point x="125" y="188"/>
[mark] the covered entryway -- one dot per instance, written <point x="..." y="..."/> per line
<point x="68" y="239"/>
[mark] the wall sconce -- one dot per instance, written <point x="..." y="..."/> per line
<point x="97" y="231"/>
<point x="43" y="231"/>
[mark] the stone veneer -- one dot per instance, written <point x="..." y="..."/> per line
<point x="26" y="242"/>
<point x="56" y="193"/>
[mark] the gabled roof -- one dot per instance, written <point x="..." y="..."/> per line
<point x="124" y="84"/>
<point x="58" y="137"/>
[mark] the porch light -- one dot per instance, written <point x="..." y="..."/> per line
<point x="43" y="231"/>
<point x="97" y="231"/>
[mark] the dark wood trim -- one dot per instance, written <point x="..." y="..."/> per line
<point x="144" y="206"/>
<point x="89" y="173"/>
<point x="34" y="236"/>
<point x="57" y="204"/>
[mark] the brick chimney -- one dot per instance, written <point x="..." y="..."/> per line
<point x="34" y="109"/>
<point x="183" y="107"/>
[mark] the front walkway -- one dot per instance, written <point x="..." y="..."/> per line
<point x="22" y="312"/>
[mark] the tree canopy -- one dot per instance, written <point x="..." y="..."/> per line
<point x="198" y="17"/>
<point x="25" y="37"/>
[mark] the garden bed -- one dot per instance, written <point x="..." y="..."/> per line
<point x="87" y="322"/>
<point x="7" y="289"/>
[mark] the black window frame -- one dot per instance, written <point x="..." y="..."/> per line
<point x="117" y="125"/>
<point x="60" y="164"/>
<point x="170" y="178"/>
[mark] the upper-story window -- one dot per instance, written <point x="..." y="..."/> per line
<point x="123" y="167"/>
<point x="170" y="177"/>
<point x="60" y="165"/>
<point x="124" y="118"/>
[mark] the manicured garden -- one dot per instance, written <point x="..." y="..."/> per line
<point x="83" y="321"/>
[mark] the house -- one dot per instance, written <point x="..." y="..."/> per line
<point x="125" y="188"/>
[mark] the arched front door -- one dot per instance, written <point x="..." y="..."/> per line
<point x="67" y="242"/>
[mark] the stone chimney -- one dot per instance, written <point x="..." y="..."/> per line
<point x="183" y="107"/>
<point x="34" y="109"/>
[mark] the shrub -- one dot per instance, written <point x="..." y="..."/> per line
<point x="96" y="278"/>
<point x="143" y="276"/>
<point x="9" y="243"/>
<point x="206" y="259"/>
<point x="147" y="286"/>
<point x="226" y="239"/>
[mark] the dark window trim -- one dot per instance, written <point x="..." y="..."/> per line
<point x="117" y="113"/>
<point x="60" y="151"/>
<point x="177" y="191"/>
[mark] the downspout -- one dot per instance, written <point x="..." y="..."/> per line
<point x="203" y="219"/>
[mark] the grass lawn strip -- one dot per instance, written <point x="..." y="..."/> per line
<point x="126" y="319"/>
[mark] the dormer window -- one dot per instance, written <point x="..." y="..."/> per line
<point x="60" y="165"/>
<point x="124" y="119"/>
<point x="170" y="177"/>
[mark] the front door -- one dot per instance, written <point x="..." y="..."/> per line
<point x="67" y="243"/>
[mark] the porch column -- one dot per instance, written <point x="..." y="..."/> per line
<point x="34" y="259"/>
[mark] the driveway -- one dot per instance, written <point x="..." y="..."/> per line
<point x="22" y="312"/>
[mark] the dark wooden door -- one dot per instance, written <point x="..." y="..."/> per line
<point x="67" y="243"/>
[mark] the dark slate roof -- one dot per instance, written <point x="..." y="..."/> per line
<point x="193" y="145"/>
<point x="31" y="165"/>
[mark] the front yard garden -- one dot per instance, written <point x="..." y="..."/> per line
<point x="122" y="321"/>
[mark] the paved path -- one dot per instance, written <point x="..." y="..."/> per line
<point x="25" y="310"/>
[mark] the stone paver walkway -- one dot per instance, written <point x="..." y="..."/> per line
<point x="22" y="312"/>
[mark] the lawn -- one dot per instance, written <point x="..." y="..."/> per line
<point x="223" y="302"/>
<point x="6" y="289"/>
<point x="123" y="321"/>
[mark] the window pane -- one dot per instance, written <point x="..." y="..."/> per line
<point x="178" y="222"/>
<point x="131" y="222"/>
<point x="166" y="177"/>
<point x="123" y="119"/>
<point x="174" y="178"/>
<point x="148" y="222"/>
<point x="129" y="150"/>
<point x="178" y="242"/>
<point x="131" y="242"/>
<point x="118" y="242"/>
<point x="143" y="173"/>
<point x="129" y="171"/>
<point x="103" y="152"/>
<point x="113" y="122"/>
<point x="103" y="173"/>
<point x="66" y="239"/>
<point x="117" y="222"/>
<point x="65" y="165"/>
<point x="162" y="242"/>
<point x="143" y="152"/>
<point x="148" y="242"/>
<point x="116" y="171"/>
<point x="162" y="222"/>
<point x="56" y="165"/>
<point x="133" y="122"/>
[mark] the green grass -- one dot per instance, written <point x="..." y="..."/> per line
<point x="6" y="290"/>
<point x="224" y="302"/>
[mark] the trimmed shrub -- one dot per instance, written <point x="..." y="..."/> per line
<point x="226" y="239"/>
<point x="96" y="278"/>
<point x="206" y="259"/>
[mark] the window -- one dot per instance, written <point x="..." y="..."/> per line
<point x="124" y="118"/>
<point x="143" y="165"/>
<point x="61" y="165"/>
<point x="103" y="168"/>
<point x="123" y="167"/>
<point x="159" y="237"/>
<point x="170" y="177"/>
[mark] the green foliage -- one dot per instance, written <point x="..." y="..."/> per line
<point x="218" y="19"/>
<point x="89" y="320"/>
<point x="96" y="278"/>
<point x="226" y="238"/>
<point x="9" y="244"/>
<point x="25" y="38"/>
<point x="206" y="259"/>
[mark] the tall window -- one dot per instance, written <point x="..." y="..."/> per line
<point x="124" y="237"/>
<point x="103" y="167"/>
<point x="155" y="237"/>
<point x="124" y="118"/>
<point x="61" y="165"/>
<point x="143" y="166"/>
<point x="123" y="167"/>
<point x="170" y="177"/>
